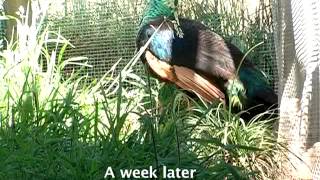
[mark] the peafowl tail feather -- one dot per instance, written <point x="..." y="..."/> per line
<point x="236" y="93"/>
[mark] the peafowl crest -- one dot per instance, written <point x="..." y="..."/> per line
<point x="162" y="8"/>
<point x="158" y="8"/>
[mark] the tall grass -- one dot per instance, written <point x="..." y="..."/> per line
<point x="52" y="128"/>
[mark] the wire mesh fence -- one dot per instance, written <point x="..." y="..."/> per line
<point x="102" y="32"/>
<point x="297" y="45"/>
<point x="105" y="31"/>
<point x="2" y="27"/>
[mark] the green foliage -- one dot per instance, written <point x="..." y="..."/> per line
<point x="236" y="93"/>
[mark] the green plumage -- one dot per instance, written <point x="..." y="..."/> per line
<point x="157" y="8"/>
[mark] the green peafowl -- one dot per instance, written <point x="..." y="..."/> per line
<point x="188" y="54"/>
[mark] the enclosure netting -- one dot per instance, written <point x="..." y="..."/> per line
<point x="102" y="32"/>
<point x="297" y="25"/>
<point x="105" y="31"/>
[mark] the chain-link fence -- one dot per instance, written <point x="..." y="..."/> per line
<point x="297" y="25"/>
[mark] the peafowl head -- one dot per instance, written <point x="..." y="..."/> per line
<point x="157" y="12"/>
<point x="160" y="33"/>
<point x="144" y="34"/>
<point x="158" y="8"/>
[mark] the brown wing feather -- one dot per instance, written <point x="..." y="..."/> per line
<point x="191" y="80"/>
<point x="213" y="56"/>
<point x="204" y="51"/>
<point x="160" y="68"/>
<point x="185" y="78"/>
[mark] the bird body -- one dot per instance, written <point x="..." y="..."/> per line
<point x="201" y="61"/>
<point x="199" y="49"/>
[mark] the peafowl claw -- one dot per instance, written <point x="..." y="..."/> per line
<point x="236" y="93"/>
